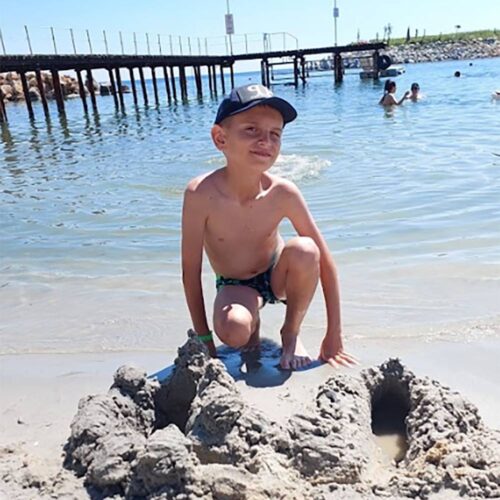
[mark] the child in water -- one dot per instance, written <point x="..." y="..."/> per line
<point x="233" y="213"/>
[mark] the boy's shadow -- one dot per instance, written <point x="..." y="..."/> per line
<point x="258" y="368"/>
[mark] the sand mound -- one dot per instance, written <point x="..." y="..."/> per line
<point x="195" y="437"/>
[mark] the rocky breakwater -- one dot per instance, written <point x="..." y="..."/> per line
<point x="12" y="89"/>
<point x="195" y="437"/>
<point x="442" y="51"/>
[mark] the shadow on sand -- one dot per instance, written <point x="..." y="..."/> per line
<point x="258" y="368"/>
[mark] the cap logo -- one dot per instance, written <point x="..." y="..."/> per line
<point x="251" y="93"/>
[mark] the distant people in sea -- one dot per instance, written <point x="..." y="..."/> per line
<point x="415" y="94"/>
<point x="458" y="74"/>
<point x="496" y="95"/>
<point x="389" y="97"/>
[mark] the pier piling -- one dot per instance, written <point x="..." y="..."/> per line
<point x="81" y="90"/>
<point x="155" y="85"/>
<point x="26" y="93"/>
<point x="113" y="86"/>
<point x="143" y="86"/>
<point x="90" y="86"/>
<point x="167" y="84"/>
<point x="132" y="84"/>
<point x="119" y="88"/>
<point x="41" y="90"/>
<point x="3" y="114"/>
<point x="57" y="90"/>
<point x="172" y="81"/>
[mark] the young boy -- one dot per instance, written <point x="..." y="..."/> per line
<point x="233" y="213"/>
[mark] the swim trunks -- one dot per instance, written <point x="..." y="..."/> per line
<point x="261" y="282"/>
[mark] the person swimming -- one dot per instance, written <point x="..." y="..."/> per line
<point x="415" y="94"/>
<point x="389" y="98"/>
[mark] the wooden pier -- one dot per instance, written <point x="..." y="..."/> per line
<point x="174" y="72"/>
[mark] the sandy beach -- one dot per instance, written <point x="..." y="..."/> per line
<point x="40" y="393"/>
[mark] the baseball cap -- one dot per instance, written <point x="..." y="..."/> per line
<point x="246" y="97"/>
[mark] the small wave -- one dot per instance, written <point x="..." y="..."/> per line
<point x="296" y="167"/>
<point x="292" y="167"/>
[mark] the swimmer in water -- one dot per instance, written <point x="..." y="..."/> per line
<point x="389" y="97"/>
<point x="415" y="94"/>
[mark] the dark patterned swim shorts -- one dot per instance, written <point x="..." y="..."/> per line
<point x="261" y="283"/>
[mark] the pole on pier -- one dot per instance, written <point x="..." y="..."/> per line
<point x="295" y="72"/>
<point x="214" y="78"/>
<point x="262" y="72"/>
<point x="119" y="88"/>
<point x="57" y="90"/>
<point x="167" y="84"/>
<point x="209" y="70"/>
<point x="90" y="86"/>
<point x="231" y="68"/>
<point x="183" y="82"/>
<point x="113" y="86"/>
<point x="143" y="86"/>
<point x="41" y="89"/>
<point x="3" y="114"/>
<point x="81" y="90"/>
<point x="197" y="77"/>
<point x="172" y="81"/>
<point x="338" y="68"/>
<point x="268" y="79"/>
<point x="155" y="85"/>
<point x="132" y="83"/>
<point x="223" y="83"/>
<point x="303" y="69"/>
<point x="26" y="93"/>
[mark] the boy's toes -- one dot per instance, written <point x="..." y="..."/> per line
<point x="285" y="364"/>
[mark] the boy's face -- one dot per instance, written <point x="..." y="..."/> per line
<point x="251" y="138"/>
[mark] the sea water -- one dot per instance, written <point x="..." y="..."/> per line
<point x="408" y="201"/>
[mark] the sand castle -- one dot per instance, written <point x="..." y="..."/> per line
<point x="193" y="436"/>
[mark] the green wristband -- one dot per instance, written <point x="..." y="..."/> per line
<point x="206" y="338"/>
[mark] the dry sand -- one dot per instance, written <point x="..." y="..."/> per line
<point x="40" y="393"/>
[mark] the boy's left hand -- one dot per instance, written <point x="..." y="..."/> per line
<point x="332" y="352"/>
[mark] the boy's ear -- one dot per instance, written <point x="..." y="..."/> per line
<point x="218" y="136"/>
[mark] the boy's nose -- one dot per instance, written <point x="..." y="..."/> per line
<point x="265" y="137"/>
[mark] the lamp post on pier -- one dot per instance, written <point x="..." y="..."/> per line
<point x="335" y="17"/>
<point x="229" y="27"/>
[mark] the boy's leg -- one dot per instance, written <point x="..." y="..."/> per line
<point x="295" y="278"/>
<point x="236" y="316"/>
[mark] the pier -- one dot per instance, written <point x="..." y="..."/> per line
<point x="172" y="69"/>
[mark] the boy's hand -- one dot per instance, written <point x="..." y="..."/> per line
<point x="332" y="352"/>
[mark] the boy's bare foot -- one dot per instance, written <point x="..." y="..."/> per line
<point x="294" y="355"/>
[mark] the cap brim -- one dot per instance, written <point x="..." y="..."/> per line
<point x="286" y="110"/>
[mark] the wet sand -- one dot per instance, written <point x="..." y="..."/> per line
<point x="40" y="393"/>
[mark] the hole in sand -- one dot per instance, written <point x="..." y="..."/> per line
<point x="390" y="406"/>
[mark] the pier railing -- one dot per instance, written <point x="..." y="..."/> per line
<point x="52" y="40"/>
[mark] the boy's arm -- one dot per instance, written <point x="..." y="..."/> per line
<point x="332" y="349"/>
<point x="194" y="216"/>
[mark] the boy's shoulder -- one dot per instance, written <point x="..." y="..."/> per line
<point x="202" y="183"/>
<point x="283" y="185"/>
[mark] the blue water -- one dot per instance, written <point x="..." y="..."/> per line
<point x="408" y="201"/>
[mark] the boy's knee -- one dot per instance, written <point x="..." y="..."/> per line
<point x="303" y="252"/>
<point x="234" y="328"/>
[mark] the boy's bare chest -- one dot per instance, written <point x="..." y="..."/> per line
<point x="230" y="220"/>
